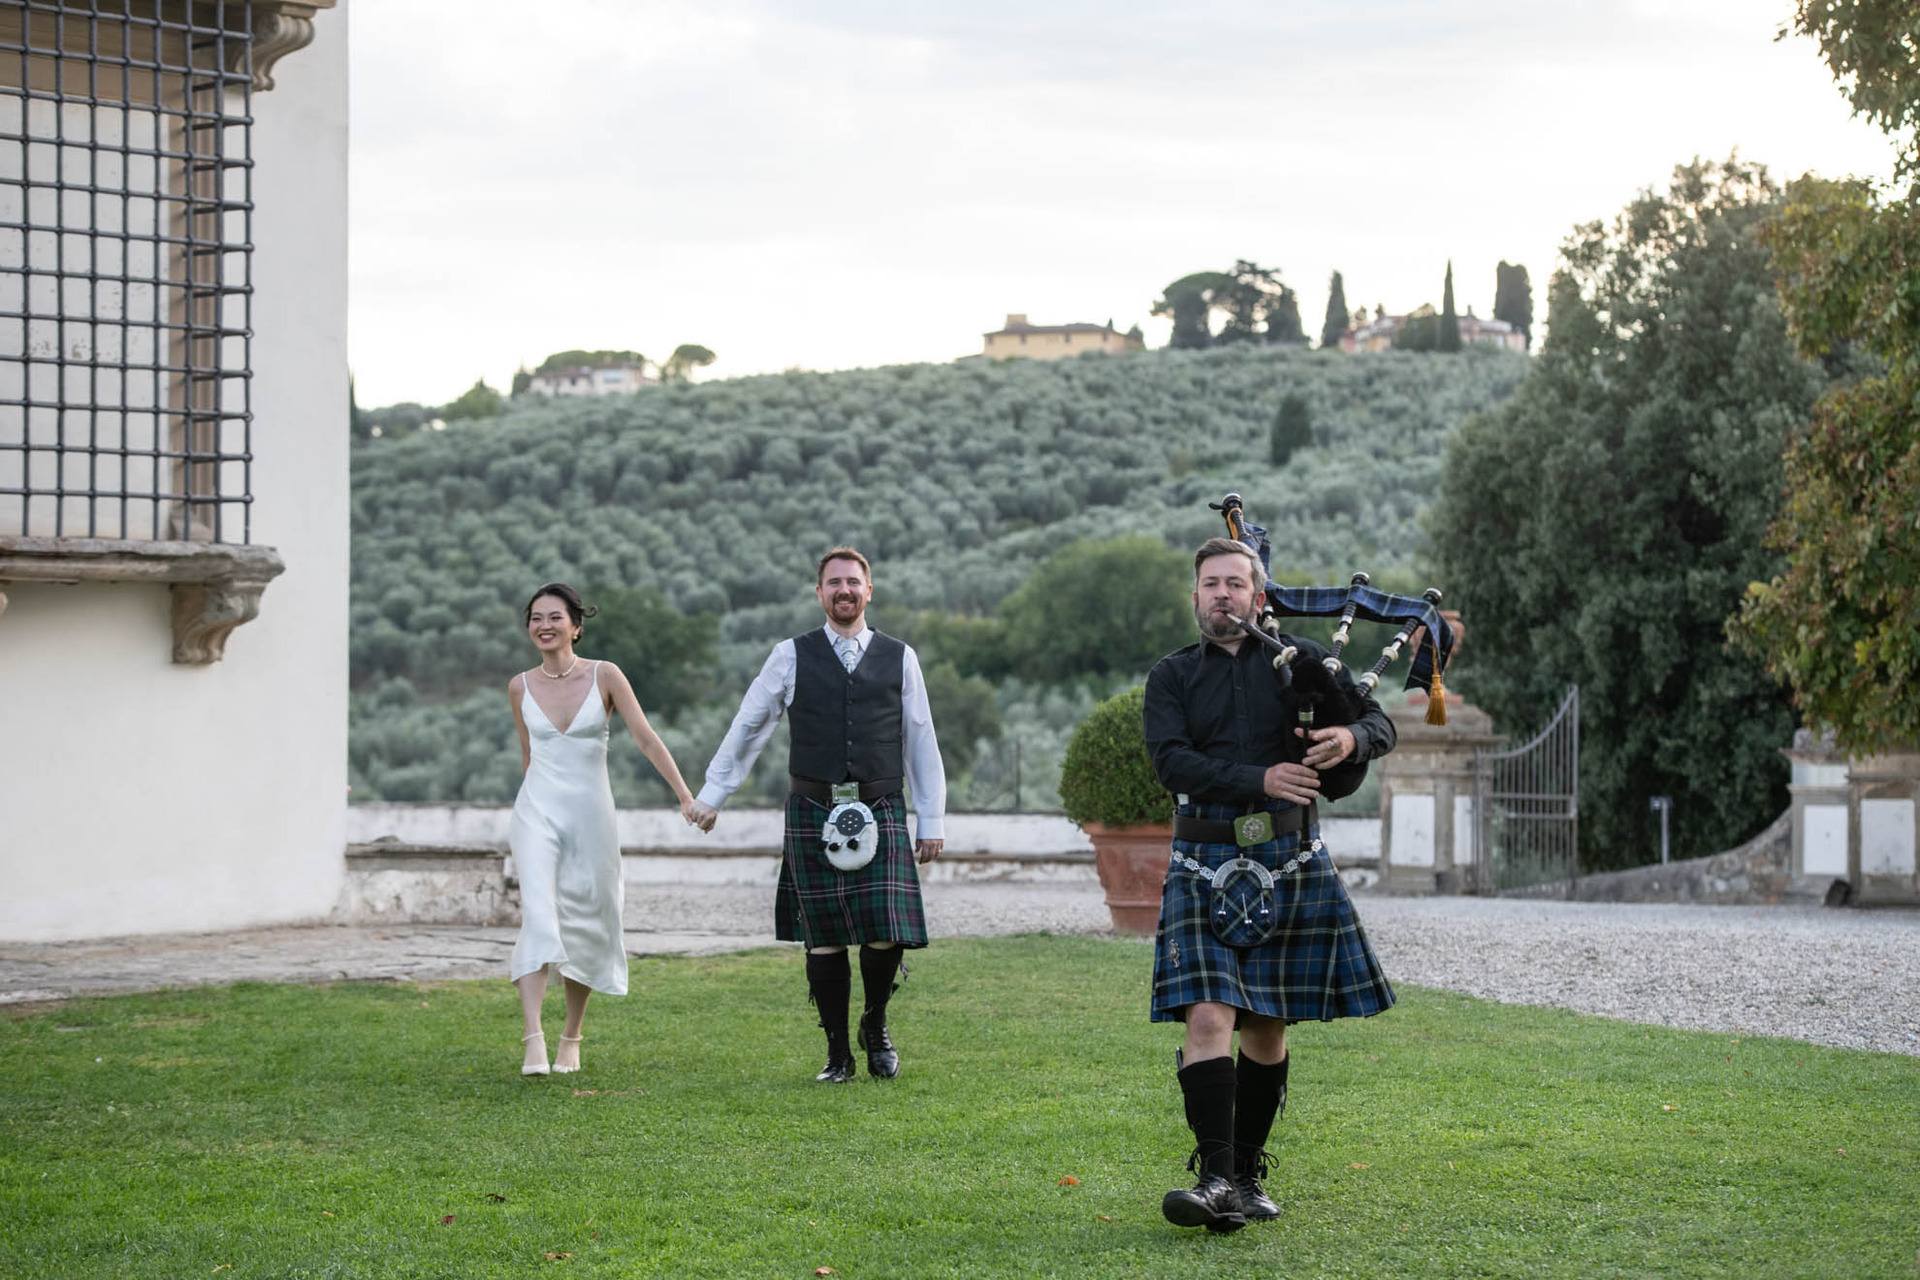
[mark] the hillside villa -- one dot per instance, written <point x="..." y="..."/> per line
<point x="1018" y="339"/>
<point x="1379" y="335"/>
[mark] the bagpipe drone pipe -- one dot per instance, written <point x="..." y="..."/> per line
<point x="1316" y="683"/>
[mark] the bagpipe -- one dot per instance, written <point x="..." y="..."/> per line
<point x="1317" y="682"/>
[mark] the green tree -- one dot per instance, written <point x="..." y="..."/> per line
<point x="1292" y="429"/>
<point x="1283" y="318"/>
<point x="1097" y="608"/>
<point x="1189" y="302"/>
<point x="965" y="713"/>
<point x="1841" y="624"/>
<point x="685" y="359"/>
<point x="1448" y="337"/>
<point x="1604" y="522"/>
<point x="1336" y="322"/>
<point x="577" y="358"/>
<point x="1420" y="331"/>
<point x="522" y="382"/>
<point x="1513" y="298"/>
<point x="669" y="657"/>
<point x="477" y="401"/>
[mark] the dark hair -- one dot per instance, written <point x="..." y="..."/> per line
<point x="842" y="553"/>
<point x="566" y="595"/>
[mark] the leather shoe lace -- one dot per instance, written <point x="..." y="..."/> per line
<point x="883" y="1062"/>
<point x="1248" y="1169"/>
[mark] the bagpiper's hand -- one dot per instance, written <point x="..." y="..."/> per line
<point x="1293" y="782"/>
<point x="699" y="814"/>
<point x="1330" y="746"/>
<point x="927" y="850"/>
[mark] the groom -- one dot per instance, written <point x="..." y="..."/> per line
<point x="859" y="729"/>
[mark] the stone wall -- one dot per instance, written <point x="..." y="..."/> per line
<point x="1759" y="871"/>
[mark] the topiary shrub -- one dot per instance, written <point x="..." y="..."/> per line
<point x="1106" y="775"/>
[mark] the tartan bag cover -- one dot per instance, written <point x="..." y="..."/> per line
<point x="1317" y="966"/>
<point x="825" y="907"/>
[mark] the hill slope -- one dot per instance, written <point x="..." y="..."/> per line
<point x="955" y="479"/>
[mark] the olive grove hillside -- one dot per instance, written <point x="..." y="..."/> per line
<point x="705" y="506"/>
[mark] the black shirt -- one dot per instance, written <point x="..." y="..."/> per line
<point x="1216" y="720"/>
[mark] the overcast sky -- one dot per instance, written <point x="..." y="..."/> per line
<point x="831" y="184"/>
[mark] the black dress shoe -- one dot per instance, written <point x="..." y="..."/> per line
<point x="1214" y="1204"/>
<point x="883" y="1062"/>
<point x="837" y="1071"/>
<point x="1254" y="1200"/>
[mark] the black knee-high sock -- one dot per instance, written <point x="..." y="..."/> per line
<point x="877" y="967"/>
<point x="1208" y="1087"/>
<point x="830" y="979"/>
<point x="1261" y="1094"/>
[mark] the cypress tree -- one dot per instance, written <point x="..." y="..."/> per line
<point x="1292" y="429"/>
<point x="1449" y="339"/>
<point x="1336" y="321"/>
<point x="1513" y="298"/>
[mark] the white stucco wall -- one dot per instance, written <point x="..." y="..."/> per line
<point x="137" y="796"/>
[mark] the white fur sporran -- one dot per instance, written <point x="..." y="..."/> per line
<point x="851" y="836"/>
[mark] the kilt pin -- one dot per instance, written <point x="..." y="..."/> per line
<point x="1318" y="965"/>
<point x="822" y="906"/>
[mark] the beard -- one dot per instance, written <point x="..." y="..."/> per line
<point x="844" y="606"/>
<point x="1218" y="627"/>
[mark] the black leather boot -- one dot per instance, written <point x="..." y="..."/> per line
<point x="1254" y="1200"/>
<point x="839" y="1070"/>
<point x="1214" y="1202"/>
<point x="883" y="1061"/>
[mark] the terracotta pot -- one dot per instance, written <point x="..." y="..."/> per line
<point x="1132" y="862"/>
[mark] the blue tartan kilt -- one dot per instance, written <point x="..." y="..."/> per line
<point x="822" y="906"/>
<point x="1317" y="966"/>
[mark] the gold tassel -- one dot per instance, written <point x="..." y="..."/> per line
<point x="1436" y="692"/>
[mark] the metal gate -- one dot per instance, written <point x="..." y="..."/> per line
<point x="1526" y="805"/>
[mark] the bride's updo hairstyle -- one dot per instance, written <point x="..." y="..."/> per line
<point x="577" y="609"/>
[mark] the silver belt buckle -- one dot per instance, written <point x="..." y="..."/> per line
<point x="846" y="793"/>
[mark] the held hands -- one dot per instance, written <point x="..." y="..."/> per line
<point x="927" y="850"/>
<point x="698" y="814"/>
<point x="1300" y="783"/>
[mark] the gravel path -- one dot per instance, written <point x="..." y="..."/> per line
<point x="1844" y="978"/>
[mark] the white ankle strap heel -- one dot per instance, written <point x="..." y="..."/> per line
<point x="539" y="1068"/>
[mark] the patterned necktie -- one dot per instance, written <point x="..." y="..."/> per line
<point x="849" y="652"/>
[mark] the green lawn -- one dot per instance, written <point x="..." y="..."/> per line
<point x="376" y="1130"/>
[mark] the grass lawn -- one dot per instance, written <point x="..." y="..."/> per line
<point x="378" y="1130"/>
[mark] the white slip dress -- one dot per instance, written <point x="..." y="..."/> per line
<point x="566" y="849"/>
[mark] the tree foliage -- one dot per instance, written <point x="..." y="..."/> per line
<point x="1189" y="303"/>
<point x="685" y="359"/>
<point x="1337" y="320"/>
<point x="1095" y="608"/>
<point x="669" y="658"/>
<point x="1513" y="298"/>
<point x="579" y="359"/>
<point x="1447" y="339"/>
<point x="1420" y="331"/>
<point x="1841" y="624"/>
<point x="1603" y="522"/>
<point x="1107" y="775"/>
<point x="1292" y="429"/>
<point x="477" y="401"/>
<point x="959" y="480"/>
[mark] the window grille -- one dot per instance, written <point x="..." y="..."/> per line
<point x="125" y="270"/>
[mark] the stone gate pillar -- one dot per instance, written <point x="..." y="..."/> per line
<point x="1818" y="785"/>
<point x="1882" y="832"/>
<point x="1426" y="798"/>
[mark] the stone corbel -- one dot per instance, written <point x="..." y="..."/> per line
<point x="215" y="587"/>
<point x="280" y="27"/>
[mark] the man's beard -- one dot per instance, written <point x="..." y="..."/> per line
<point x="1218" y="628"/>
<point x="849" y="604"/>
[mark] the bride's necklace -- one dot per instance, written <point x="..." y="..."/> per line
<point x="561" y="675"/>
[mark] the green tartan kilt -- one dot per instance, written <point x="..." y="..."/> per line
<point x="822" y="906"/>
<point x="1317" y="966"/>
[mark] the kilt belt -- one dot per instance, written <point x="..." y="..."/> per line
<point x="1287" y="822"/>
<point x="822" y="792"/>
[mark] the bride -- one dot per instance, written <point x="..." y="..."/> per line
<point x="566" y="848"/>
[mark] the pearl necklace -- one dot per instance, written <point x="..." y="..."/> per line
<point x="564" y="674"/>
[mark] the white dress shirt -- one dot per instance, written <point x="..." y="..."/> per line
<point x="771" y="693"/>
